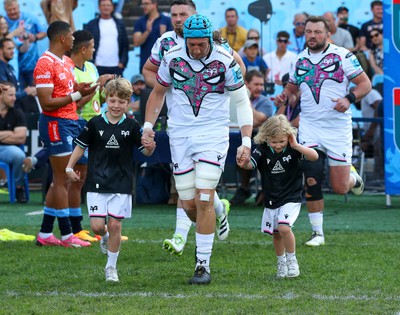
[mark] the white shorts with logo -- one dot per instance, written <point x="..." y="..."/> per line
<point x="285" y="215"/>
<point x="337" y="144"/>
<point x="101" y="205"/>
<point x="186" y="151"/>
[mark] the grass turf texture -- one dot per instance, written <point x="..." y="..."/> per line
<point x="356" y="272"/>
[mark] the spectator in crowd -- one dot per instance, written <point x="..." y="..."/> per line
<point x="251" y="59"/>
<point x="59" y="10"/>
<point x="19" y="33"/>
<point x="140" y="95"/>
<point x="235" y="34"/>
<point x="34" y="31"/>
<point x="376" y="51"/>
<point x="12" y="135"/>
<point x="325" y="118"/>
<point x="24" y="97"/>
<point x="59" y="96"/>
<point x="253" y="34"/>
<point x="342" y="14"/>
<point x="198" y="126"/>
<point x="298" y="39"/>
<point x="375" y="23"/>
<point x="339" y="36"/>
<point x="111" y="44"/>
<point x="280" y="60"/>
<point x="148" y="28"/>
<point x="262" y="109"/>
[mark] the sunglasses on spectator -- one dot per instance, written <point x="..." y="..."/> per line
<point x="254" y="38"/>
<point x="375" y="35"/>
<point x="282" y="40"/>
<point x="300" y="23"/>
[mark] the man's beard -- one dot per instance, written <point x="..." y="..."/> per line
<point x="317" y="46"/>
<point x="179" y="29"/>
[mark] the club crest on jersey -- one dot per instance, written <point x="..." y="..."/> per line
<point x="197" y="84"/>
<point x="125" y="133"/>
<point x="287" y="158"/>
<point x="314" y="75"/>
<point x="165" y="45"/>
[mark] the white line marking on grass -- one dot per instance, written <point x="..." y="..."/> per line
<point x="39" y="212"/>
<point x="139" y="241"/>
<point x="165" y="295"/>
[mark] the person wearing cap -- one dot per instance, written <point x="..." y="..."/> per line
<point x="280" y="60"/>
<point x="251" y="59"/>
<point x="202" y="78"/>
<point x="140" y="95"/>
<point x="342" y="14"/>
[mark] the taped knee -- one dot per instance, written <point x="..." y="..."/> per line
<point x="185" y="185"/>
<point x="207" y="175"/>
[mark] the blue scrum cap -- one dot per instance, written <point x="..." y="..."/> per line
<point x="197" y="26"/>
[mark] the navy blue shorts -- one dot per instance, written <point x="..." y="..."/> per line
<point x="58" y="134"/>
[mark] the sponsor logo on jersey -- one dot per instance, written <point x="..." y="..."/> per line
<point x="112" y="143"/>
<point x="277" y="168"/>
<point x="44" y="76"/>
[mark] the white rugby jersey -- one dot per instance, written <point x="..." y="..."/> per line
<point x="163" y="44"/>
<point x="322" y="77"/>
<point x="198" y="102"/>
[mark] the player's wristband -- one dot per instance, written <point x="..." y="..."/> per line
<point x="69" y="170"/>
<point x="76" y="96"/>
<point x="351" y="97"/>
<point x="246" y="141"/>
<point x="147" y="125"/>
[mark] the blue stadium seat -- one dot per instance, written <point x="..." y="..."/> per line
<point x="11" y="181"/>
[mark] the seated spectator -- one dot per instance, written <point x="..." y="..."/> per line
<point x="12" y="135"/>
<point x="376" y="52"/>
<point x="25" y="97"/>
<point x="339" y="36"/>
<point x="235" y="34"/>
<point x="136" y="108"/>
<point x="253" y="34"/>
<point x="59" y="10"/>
<point x="280" y="60"/>
<point x="298" y="38"/>
<point x="375" y="23"/>
<point x="251" y="60"/>
<point x="262" y="109"/>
